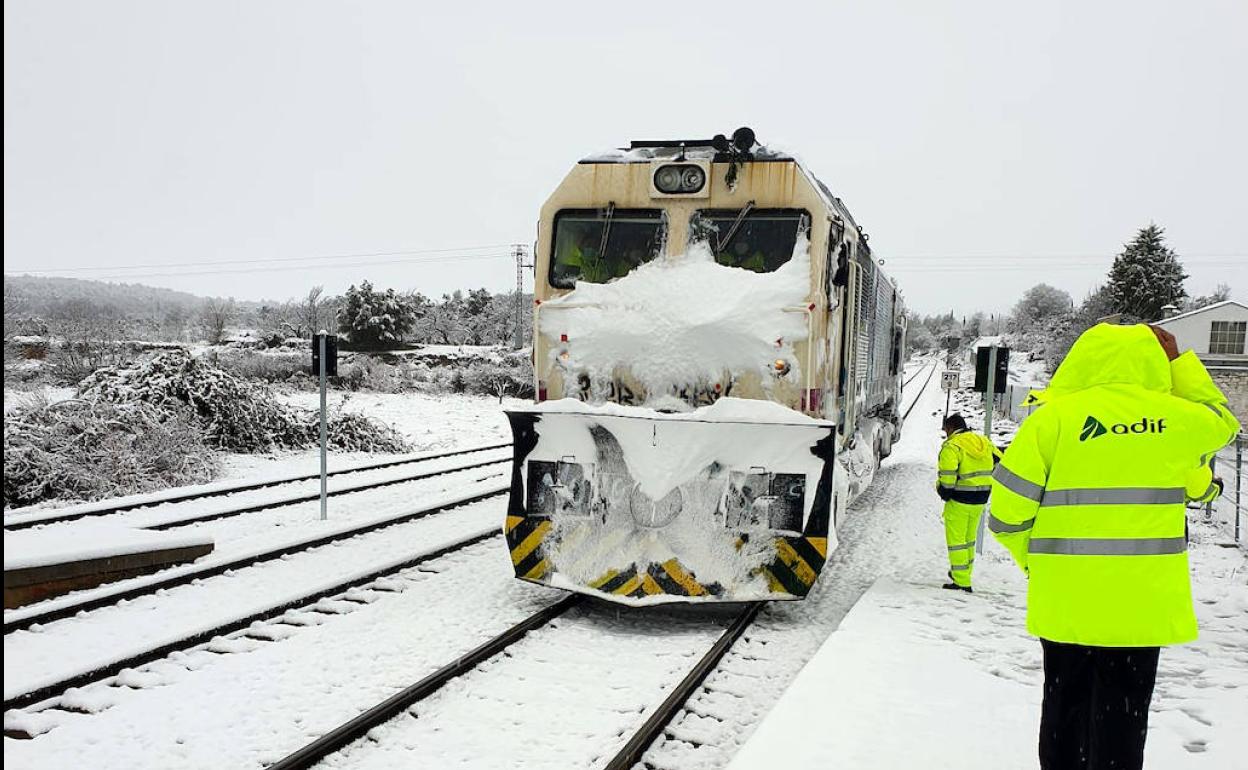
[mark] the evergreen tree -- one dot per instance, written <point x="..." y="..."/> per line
<point x="1146" y="276"/>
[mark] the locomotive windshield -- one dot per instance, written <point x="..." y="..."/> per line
<point x="755" y="239"/>
<point x="596" y="245"/>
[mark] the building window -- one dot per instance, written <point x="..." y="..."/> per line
<point x="1227" y="338"/>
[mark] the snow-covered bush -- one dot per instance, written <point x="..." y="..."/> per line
<point x="508" y="378"/>
<point x="375" y="319"/>
<point x="86" y="450"/>
<point x="354" y="432"/>
<point x="270" y="365"/>
<point x="234" y="414"/>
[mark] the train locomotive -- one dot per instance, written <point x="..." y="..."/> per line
<point x="718" y="365"/>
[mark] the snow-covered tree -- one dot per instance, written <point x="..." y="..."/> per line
<point x="375" y="319"/>
<point x="920" y="339"/>
<point x="1221" y="294"/>
<point x="1146" y="276"/>
<point x="1039" y="304"/>
<point x="214" y="316"/>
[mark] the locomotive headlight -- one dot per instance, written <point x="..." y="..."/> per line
<point x="692" y="179"/>
<point x="781" y="367"/>
<point x="679" y="179"/>
<point x="668" y="179"/>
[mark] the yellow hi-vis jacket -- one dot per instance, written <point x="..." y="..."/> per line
<point x="1089" y="497"/>
<point x="964" y="467"/>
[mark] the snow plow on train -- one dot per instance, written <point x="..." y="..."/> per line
<point x="631" y="503"/>
<point x="718" y="373"/>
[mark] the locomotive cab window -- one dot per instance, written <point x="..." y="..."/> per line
<point x="596" y="245"/>
<point x="755" y="239"/>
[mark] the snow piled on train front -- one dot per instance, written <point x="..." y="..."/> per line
<point x="683" y="320"/>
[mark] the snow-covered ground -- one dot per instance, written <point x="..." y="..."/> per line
<point x="242" y="702"/>
<point x="16" y="398"/>
<point x="945" y="669"/>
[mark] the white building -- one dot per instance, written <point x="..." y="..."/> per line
<point x="1217" y="333"/>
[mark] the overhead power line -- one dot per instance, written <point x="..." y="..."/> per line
<point x="289" y="268"/>
<point x="1053" y="257"/>
<point x="209" y="263"/>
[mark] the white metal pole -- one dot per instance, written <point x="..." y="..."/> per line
<point x="324" y="433"/>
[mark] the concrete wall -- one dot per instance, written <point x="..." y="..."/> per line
<point x="1192" y="331"/>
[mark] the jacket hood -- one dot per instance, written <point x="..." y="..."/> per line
<point x="973" y="444"/>
<point x="1108" y="354"/>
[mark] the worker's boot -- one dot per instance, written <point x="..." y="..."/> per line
<point x="952" y="586"/>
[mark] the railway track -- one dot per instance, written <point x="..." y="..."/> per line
<point x="339" y="591"/>
<point x="910" y="379"/>
<point x="95" y="599"/>
<point x="349" y="732"/>
<point x="269" y="505"/>
<point x="178" y="496"/>
<point x="625" y="758"/>
<point x="931" y="373"/>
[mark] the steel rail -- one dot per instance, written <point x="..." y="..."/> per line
<point x="915" y="402"/>
<point x="113" y="668"/>
<point x="631" y="753"/>
<point x="910" y="379"/>
<point x="310" y="496"/>
<point x="178" y="497"/>
<point x="359" y="726"/>
<point x="212" y="570"/>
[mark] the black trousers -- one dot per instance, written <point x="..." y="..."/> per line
<point x="1095" y="712"/>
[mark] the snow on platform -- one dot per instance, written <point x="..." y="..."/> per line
<point x="916" y="676"/>
<point x="43" y="563"/>
<point x="24" y="549"/>
<point x="886" y="690"/>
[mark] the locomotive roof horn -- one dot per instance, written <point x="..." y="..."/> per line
<point x="742" y="141"/>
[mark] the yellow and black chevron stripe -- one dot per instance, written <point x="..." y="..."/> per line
<point x="798" y="562"/>
<point x="524" y="540"/>
<point x="668" y="578"/>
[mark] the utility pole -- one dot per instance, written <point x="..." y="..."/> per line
<point x="517" y="251"/>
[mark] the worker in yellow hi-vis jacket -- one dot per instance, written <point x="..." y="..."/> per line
<point x="964" y="470"/>
<point x="1089" y="499"/>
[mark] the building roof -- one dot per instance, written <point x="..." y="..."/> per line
<point x="1199" y="310"/>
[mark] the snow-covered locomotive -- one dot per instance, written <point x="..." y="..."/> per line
<point x="718" y="373"/>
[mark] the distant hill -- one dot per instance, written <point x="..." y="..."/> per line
<point x="33" y="295"/>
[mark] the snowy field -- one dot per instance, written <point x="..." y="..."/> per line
<point x="884" y="645"/>
<point x="441" y="422"/>
<point x="16" y="398"/>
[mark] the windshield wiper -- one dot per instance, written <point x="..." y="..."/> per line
<point x="720" y="245"/>
<point x="606" y="231"/>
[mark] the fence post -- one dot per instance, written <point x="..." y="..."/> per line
<point x="1213" y="468"/>
<point x="1239" y="479"/>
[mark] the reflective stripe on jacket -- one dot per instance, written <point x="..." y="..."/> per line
<point x="1089" y="497"/>
<point x="964" y="467"/>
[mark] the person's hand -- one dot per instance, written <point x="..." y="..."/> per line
<point x="1167" y="340"/>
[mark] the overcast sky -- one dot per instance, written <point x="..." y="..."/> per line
<point x="985" y="146"/>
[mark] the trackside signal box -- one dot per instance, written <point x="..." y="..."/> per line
<point x="982" y="357"/>
<point x="331" y="355"/>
